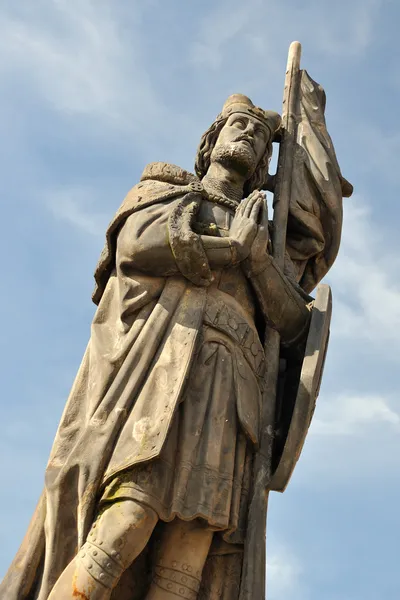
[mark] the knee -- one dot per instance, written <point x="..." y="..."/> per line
<point x="122" y="530"/>
<point x="125" y="520"/>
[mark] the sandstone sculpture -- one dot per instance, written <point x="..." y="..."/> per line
<point x="199" y="381"/>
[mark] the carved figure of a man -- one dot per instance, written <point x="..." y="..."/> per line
<point x="151" y="468"/>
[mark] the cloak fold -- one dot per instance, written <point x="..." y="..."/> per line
<point x="134" y="369"/>
<point x="123" y="374"/>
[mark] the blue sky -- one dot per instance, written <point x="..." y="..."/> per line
<point x="91" y="92"/>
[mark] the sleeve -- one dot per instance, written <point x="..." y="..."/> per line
<point x="159" y="240"/>
<point x="143" y="242"/>
<point x="283" y="307"/>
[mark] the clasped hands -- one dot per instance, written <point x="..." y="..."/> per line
<point x="249" y="233"/>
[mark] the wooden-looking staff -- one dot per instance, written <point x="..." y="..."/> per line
<point x="254" y="565"/>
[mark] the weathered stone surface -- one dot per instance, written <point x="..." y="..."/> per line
<point x="157" y="481"/>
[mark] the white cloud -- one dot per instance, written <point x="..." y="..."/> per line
<point x="381" y="145"/>
<point x="74" y="54"/>
<point x="351" y="415"/>
<point x="344" y="37"/>
<point x="227" y="23"/>
<point x="367" y="296"/>
<point x="76" y="206"/>
<point x="283" y="572"/>
<point x="352" y="439"/>
<point x="261" y="26"/>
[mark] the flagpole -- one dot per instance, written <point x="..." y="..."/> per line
<point x="283" y="183"/>
<point x="254" y="562"/>
<point x="282" y="193"/>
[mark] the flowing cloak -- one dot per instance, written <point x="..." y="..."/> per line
<point x="119" y="376"/>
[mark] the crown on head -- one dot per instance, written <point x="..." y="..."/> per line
<point x="239" y="103"/>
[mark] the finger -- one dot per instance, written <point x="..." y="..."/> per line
<point x="263" y="195"/>
<point x="258" y="195"/>
<point x="264" y="214"/>
<point x="251" y="197"/>
<point x="249" y="206"/>
<point x="253" y="194"/>
<point x="239" y="209"/>
<point x="255" y="211"/>
<point x="243" y="204"/>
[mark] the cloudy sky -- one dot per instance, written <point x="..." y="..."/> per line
<point x="92" y="90"/>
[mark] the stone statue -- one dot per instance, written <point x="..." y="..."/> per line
<point x="187" y="400"/>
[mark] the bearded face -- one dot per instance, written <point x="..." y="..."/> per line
<point x="241" y="144"/>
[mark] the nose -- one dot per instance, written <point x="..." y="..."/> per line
<point x="250" y="129"/>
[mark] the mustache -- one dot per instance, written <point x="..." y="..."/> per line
<point x="245" y="138"/>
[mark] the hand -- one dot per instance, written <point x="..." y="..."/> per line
<point x="258" y="255"/>
<point x="244" y="226"/>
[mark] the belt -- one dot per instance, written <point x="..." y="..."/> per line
<point x="226" y="319"/>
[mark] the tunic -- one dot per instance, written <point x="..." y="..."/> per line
<point x="204" y="468"/>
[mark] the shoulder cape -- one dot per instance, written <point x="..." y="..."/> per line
<point x="159" y="182"/>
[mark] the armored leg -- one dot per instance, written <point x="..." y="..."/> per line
<point x="183" y="552"/>
<point x="116" y="538"/>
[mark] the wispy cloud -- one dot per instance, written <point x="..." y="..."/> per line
<point x="261" y="27"/>
<point x="340" y="36"/>
<point x="379" y="157"/>
<point x="367" y="296"/>
<point x="352" y="439"/>
<point x="354" y="415"/>
<point x="283" y="572"/>
<point x="225" y="24"/>
<point x="76" y="206"/>
<point x="75" y="56"/>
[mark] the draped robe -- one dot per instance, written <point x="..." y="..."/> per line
<point x="142" y="346"/>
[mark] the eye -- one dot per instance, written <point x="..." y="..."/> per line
<point x="239" y="123"/>
<point x="261" y="133"/>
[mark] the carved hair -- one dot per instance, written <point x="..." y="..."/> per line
<point x="208" y="140"/>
